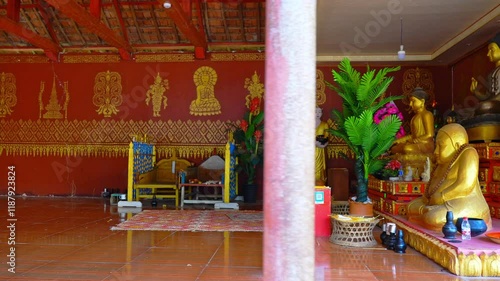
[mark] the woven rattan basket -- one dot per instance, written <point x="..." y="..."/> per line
<point x="340" y="207"/>
<point x="357" y="233"/>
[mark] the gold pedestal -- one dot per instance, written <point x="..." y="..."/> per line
<point x="484" y="132"/>
<point x="483" y="128"/>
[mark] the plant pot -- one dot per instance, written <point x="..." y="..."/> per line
<point x="250" y="193"/>
<point x="360" y="209"/>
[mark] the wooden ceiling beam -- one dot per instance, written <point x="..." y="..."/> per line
<point x="47" y="20"/>
<point x="120" y="19"/>
<point x="50" y="48"/>
<point x="78" y="13"/>
<point x="95" y="8"/>
<point x="186" y="26"/>
<point x="13" y="9"/>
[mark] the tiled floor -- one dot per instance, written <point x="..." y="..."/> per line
<point x="70" y="239"/>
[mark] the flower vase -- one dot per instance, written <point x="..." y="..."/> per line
<point x="449" y="229"/>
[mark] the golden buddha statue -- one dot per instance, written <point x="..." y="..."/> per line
<point x="454" y="184"/>
<point x="321" y="143"/>
<point x="484" y="126"/>
<point x="489" y="96"/>
<point x="414" y="148"/>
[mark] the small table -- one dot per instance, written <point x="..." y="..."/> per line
<point x="208" y="198"/>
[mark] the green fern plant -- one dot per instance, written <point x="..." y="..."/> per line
<point x="362" y="95"/>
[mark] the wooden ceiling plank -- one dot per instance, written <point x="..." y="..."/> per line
<point x="259" y="15"/>
<point x="141" y="37"/>
<point x="224" y="22"/>
<point x="95" y="8"/>
<point x="78" y="13"/>
<point x="242" y="22"/>
<point x="49" y="47"/>
<point x="155" y="22"/>
<point x="186" y="26"/>
<point x="205" y="20"/>
<point x="78" y="31"/>
<point x="13" y="9"/>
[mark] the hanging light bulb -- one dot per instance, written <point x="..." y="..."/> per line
<point x="401" y="52"/>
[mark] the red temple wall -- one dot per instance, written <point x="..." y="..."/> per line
<point x="57" y="173"/>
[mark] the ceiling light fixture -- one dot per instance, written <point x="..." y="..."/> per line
<point x="401" y="52"/>
<point x="167" y="5"/>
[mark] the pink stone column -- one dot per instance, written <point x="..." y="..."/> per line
<point x="290" y="97"/>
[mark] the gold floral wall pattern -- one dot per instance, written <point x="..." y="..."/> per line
<point x="111" y="137"/>
<point x="155" y="95"/>
<point x="256" y="89"/>
<point x="320" y="87"/>
<point x="205" y="103"/>
<point x="53" y="108"/>
<point x="8" y="97"/>
<point x="417" y="77"/>
<point x="107" y="93"/>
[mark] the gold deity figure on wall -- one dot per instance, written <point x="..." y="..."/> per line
<point x="454" y="185"/>
<point x="107" y="93"/>
<point x="8" y="97"/>
<point x="53" y="108"/>
<point x="155" y="94"/>
<point x="320" y="87"/>
<point x="205" y="103"/>
<point x="256" y="89"/>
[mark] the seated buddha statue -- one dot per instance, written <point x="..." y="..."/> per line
<point x="489" y="95"/>
<point x="454" y="184"/>
<point x="414" y="148"/>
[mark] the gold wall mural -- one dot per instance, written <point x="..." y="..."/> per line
<point x="94" y="58"/>
<point x="320" y="87"/>
<point x="155" y="95"/>
<point x="205" y="103"/>
<point x="24" y="59"/>
<point x="164" y="58"/>
<point x="417" y="77"/>
<point x="107" y="93"/>
<point x="256" y="89"/>
<point x="53" y="108"/>
<point x="8" y="98"/>
<point x="237" y="56"/>
<point x="111" y="137"/>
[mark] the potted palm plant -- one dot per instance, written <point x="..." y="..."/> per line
<point x="362" y="95"/>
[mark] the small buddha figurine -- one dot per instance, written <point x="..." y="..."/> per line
<point x="426" y="174"/>
<point x="454" y="185"/>
<point x="489" y="96"/>
<point x="408" y="174"/>
<point x="421" y="138"/>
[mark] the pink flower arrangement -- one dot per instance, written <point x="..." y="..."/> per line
<point x="391" y="169"/>
<point x="389" y="108"/>
<point x="393" y="165"/>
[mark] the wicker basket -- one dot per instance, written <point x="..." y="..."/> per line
<point x="354" y="233"/>
<point x="340" y="207"/>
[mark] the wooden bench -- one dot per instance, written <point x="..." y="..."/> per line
<point x="162" y="179"/>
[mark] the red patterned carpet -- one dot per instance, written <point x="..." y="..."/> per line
<point x="194" y="220"/>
